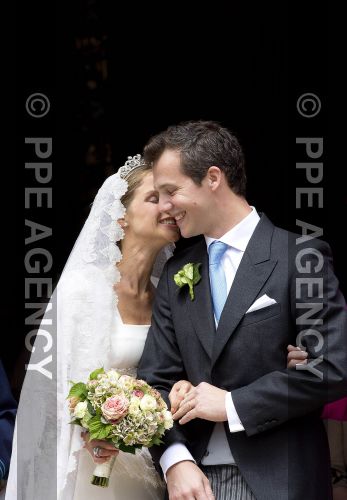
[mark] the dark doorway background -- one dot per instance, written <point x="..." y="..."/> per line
<point x="115" y="76"/>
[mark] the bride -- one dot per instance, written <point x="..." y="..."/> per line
<point x="103" y="305"/>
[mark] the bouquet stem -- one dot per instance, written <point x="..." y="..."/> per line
<point x="102" y="472"/>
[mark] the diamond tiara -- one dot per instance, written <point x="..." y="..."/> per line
<point x="130" y="165"/>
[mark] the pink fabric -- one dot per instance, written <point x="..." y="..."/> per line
<point x="336" y="410"/>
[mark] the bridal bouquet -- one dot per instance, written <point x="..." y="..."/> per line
<point x="121" y="410"/>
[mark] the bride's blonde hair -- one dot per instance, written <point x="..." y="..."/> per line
<point x="134" y="180"/>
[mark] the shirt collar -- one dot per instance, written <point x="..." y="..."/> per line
<point x="239" y="236"/>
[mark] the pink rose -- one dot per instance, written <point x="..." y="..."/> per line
<point x="138" y="394"/>
<point x="115" y="408"/>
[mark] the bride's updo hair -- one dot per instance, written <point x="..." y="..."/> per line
<point x="134" y="180"/>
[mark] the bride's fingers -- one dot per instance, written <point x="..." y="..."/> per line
<point x="184" y="389"/>
<point x="297" y="355"/>
<point x="102" y="444"/>
<point x="291" y="347"/>
<point x="177" y="393"/>
<point x="296" y="358"/>
<point x="100" y="460"/>
<point x="103" y="453"/>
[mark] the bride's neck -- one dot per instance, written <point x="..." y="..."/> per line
<point x="136" y="267"/>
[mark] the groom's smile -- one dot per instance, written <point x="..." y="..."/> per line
<point x="179" y="196"/>
<point x="180" y="216"/>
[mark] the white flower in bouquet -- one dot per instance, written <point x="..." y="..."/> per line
<point x="126" y="382"/>
<point x="168" y="423"/>
<point x="80" y="409"/>
<point x="148" y="402"/>
<point x="113" y="376"/>
<point x="134" y="407"/>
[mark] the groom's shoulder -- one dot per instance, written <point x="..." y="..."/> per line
<point x="187" y="251"/>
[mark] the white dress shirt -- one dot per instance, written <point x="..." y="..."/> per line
<point x="218" y="450"/>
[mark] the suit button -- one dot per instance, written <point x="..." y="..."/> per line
<point x="206" y="454"/>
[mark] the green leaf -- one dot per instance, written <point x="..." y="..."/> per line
<point x="78" y="390"/>
<point x="77" y="421"/>
<point x="97" y="429"/>
<point x="95" y="425"/>
<point x="178" y="280"/>
<point x="105" y="431"/>
<point x="91" y="409"/>
<point x="127" y="449"/>
<point x="95" y="373"/>
<point x="85" y="420"/>
<point x="157" y="441"/>
<point x="189" y="270"/>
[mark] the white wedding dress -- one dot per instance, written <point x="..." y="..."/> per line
<point x="143" y="482"/>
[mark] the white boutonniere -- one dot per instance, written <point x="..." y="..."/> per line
<point x="188" y="275"/>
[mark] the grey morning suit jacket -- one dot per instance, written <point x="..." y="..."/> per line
<point x="283" y="452"/>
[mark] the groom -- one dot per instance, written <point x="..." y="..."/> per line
<point x="250" y="428"/>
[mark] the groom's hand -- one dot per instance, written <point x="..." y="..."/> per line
<point x="185" y="481"/>
<point x="204" y="401"/>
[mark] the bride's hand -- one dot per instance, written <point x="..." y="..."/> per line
<point x="107" y="450"/>
<point x="178" y="392"/>
<point x="295" y="356"/>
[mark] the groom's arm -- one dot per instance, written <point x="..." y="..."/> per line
<point x="161" y="366"/>
<point x="290" y="393"/>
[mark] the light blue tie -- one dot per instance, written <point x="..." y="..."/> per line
<point x="217" y="276"/>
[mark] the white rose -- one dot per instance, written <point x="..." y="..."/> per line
<point x="135" y="401"/>
<point x="168" y="420"/>
<point x="126" y="382"/>
<point x="99" y="391"/>
<point x="134" y="409"/>
<point x="113" y="375"/>
<point x="80" y="409"/>
<point x="148" y="403"/>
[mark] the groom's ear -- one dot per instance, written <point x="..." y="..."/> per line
<point x="214" y="177"/>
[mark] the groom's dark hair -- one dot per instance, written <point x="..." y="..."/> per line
<point x="202" y="144"/>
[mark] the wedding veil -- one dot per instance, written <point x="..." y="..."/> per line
<point x="81" y="316"/>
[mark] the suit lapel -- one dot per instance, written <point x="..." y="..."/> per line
<point x="253" y="272"/>
<point x="200" y="310"/>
